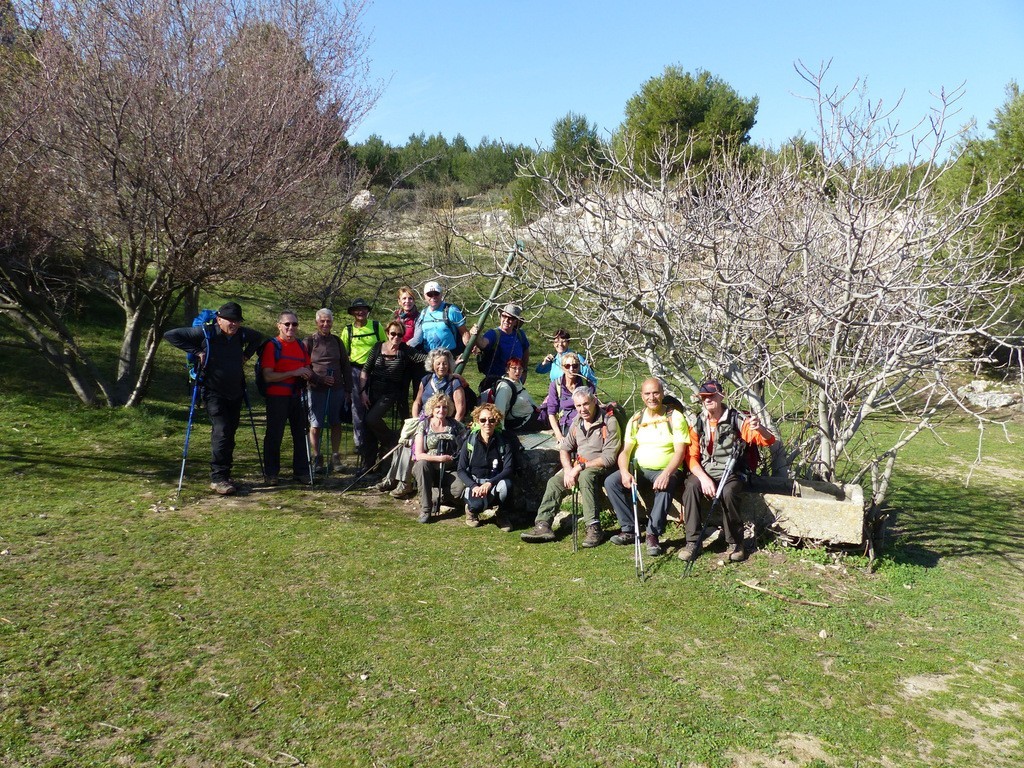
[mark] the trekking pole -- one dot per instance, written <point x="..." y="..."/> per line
<point x="188" y="433"/>
<point x="304" y="400"/>
<point x="324" y="425"/>
<point x="729" y="466"/>
<point x="575" y="515"/>
<point x="252" y="423"/>
<point x="638" y="554"/>
<point x="443" y="447"/>
<point x="485" y="309"/>
<point x="367" y="471"/>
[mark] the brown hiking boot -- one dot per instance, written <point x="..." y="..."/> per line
<point x="501" y="520"/>
<point x="472" y="519"/>
<point x="540" y="532"/>
<point x="594" y="536"/>
<point x="690" y="552"/>
<point x="736" y="553"/>
<point x="223" y="487"/>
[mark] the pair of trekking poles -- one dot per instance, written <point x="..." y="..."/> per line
<point x="638" y="555"/>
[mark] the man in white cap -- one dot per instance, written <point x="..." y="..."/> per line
<point x="439" y="324"/>
<point x="501" y="344"/>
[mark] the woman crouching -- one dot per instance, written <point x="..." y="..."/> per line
<point x="437" y="442"/>
<point x="485" y="467"/>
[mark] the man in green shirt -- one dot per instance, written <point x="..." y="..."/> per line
<point x="359" y="338"/>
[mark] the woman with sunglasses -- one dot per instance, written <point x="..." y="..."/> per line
<point x="485" y="467"/>
<point x="382" y="383"/>
<point x="559" y="406"/>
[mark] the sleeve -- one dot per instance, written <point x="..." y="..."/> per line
<point x="346" y="339"/>
<point x="542" y="367"/>
<point x="753" y="436"/>
<point x="693" y="452"/>
<point x="191" y="340"/>
<point x="381" y="330"/>
<point x="456" y="316"/>
<point x="502" y="396"/>
<point x="371" y="361"/>
<point x="463" y="470"/>
<point x="550" y="405"/>
<point x="491" y="336"/>
<point x="267" y="358"/>
<point x="252" y="341"/>
<point x="506" y="461"/>
<point x="680" y="428"/>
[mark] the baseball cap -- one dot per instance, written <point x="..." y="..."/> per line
<point x="231" y="311"/>
<point x="433" y="287"/>
<point x="709" y="388"/>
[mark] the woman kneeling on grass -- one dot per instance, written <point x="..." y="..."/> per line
<point x="485" y="467"/>
<point x="437" y="442"/>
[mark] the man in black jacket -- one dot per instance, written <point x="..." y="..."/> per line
<point x="222" y="348"/>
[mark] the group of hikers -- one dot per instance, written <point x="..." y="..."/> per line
<point x="369" y="369"/>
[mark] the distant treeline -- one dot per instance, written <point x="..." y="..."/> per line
<point x="432" y="161"/>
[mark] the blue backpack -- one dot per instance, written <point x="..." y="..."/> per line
<point x="205" y="320"/>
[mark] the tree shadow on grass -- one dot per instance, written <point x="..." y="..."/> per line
<point x="938" y="519"/>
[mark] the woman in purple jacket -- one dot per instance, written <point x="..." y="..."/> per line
<point x="558" y="405"/>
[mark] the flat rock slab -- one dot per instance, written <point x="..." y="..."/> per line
<point x="807" y="509"/>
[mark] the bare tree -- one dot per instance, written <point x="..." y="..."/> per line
<point x="191" y="141"/>
<point x="827" y="286"/>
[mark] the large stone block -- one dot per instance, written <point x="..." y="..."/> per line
<point x="807" y="509"/>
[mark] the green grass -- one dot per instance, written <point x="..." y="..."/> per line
<point x="316" y="628"/>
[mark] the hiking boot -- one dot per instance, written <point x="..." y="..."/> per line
<point x="690" y="552"/>
<point x="501" y="520"/>
<point x="403" y="491"/>
<point x="653" y="547"/>
<point x="623" y="539"/>
<point x="472" y="518"/>
<point x="318" y="463"/>
<point x="736" y="553"/>
<point x="424" y="516"/>
<point x="384" y="486"/>
<point x="594" y="536"/>
<point x="223" y="487"/>
<point x="540" y="532"/>
<point x="335" y="465"/>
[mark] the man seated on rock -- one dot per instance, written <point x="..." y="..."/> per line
<point x="718" y="433"/>
<point x="588" y="451"/>
<point x="658" y="437"/>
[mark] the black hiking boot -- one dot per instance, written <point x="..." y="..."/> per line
<point x="653" y="547"/>
<point x="623" y="539"/>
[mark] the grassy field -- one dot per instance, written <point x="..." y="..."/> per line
<point x="311" y="627"/>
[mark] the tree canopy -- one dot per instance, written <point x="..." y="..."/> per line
<point x="677" y="108"/>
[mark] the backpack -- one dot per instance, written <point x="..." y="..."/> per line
<point x="348" y="329"/>
<point x="750" y="455"/>
<point x="261" y="383"/>
<point x="205" y="320"/>
<point x="486" y="358"/>
<point x="460" y="345"/>
<point x="487" y="395"/>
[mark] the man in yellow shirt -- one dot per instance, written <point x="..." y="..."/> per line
<point x="655" y="442"/>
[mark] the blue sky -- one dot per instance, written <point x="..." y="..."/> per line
<point x="509" y="70"/>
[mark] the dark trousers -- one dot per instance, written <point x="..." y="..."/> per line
<point x="730" y="508"/>
<point x="380" y="438"/>
<point x="224" y="416"/>
<point x="426" y="474"/>
<point x="621" y="499"/>
<point x="282" y="410"/>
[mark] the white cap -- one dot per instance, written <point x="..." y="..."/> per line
<point x="432" y="286"/>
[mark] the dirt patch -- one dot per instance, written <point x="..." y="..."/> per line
<point x="923" y="685"/>
<point x="795" y="749"/>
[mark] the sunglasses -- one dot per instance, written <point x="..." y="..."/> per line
<point x="432" y="294"/>
<point x="570" y="366"/>
<point x="290" y="325"/>
<point x="395" y="335"/>
<point x="487" y="420"/>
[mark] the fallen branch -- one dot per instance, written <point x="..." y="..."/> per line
<point x="783" y="597"/>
